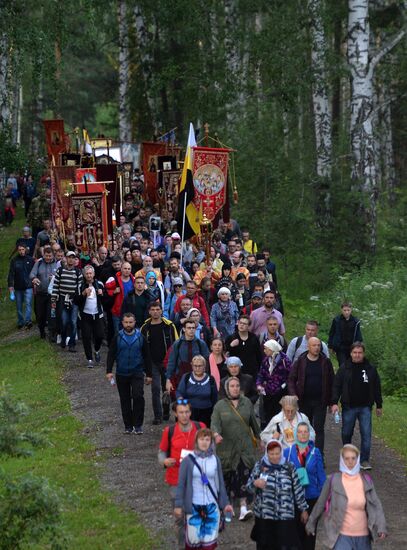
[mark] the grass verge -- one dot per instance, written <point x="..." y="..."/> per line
<point x="392" y="426"/>
<point x="90" y="518"/>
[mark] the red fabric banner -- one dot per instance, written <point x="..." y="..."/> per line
<point x="54" y="136"/>
<point x="90" y="230"/>
<point x="209" y="173"/>
<point x="151" y="151"/>
<point x="62" y="178"/>
<point x="88" y="173"/>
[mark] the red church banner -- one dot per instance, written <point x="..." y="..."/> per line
<point x="55" y="136"/>
<point x="209" y="172"/>
<point x="90" y="230"/>
<point x="151" y="152"/>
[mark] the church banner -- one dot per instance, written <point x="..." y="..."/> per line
<point x="168" y="192"/>
<point x="55" y="136"/>
<point x="62" y="179"/>
<point x="90" y="231"/>
<point x="209" y="173"/>
<point x="151" y="152"/>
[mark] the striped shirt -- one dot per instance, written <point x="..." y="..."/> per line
<point x="67" y="281"/>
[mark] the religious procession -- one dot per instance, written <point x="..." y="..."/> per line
<point x="202" y="275"/>
<point x="146" y="273"/>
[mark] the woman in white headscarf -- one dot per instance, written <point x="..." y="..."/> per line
<point x="353" y="512"/>
<point x="224" y="314"/>
<point x="278" y="493"/>
<point x="271" y="380"/>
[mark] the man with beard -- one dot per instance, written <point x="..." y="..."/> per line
<point x="261" y="315"/>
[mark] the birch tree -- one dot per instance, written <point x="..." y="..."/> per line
<point x="124" y="74"/>
<point x="362" y="66"/>
<point x="5" y="112"/>
<point x="322" y="113"/>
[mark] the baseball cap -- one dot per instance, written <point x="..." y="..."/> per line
<point x="177" y="281"/>
<point x="70" y="253"/>
<point x="257" y="295"/>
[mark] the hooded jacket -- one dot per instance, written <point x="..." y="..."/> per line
<point x="343" y="382"/>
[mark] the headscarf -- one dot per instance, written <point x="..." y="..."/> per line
<point x="273" y="346"/>
<point x="266" y="461"/>
<point x="151" y="274"/>
<point x="227" y="382"/>
<point x="190" y="311"/>
<point x="342" y="466"/>
<point x="234" y="361"/>
<point x="299" y="443"/>
<point x="204" y="454"/>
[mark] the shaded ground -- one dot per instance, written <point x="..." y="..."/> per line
<point x="128" y="467"/>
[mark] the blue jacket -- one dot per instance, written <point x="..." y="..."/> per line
<point x="131" y="353"/>
<point x="179" y="354"/>
<point x="314" y="466"/>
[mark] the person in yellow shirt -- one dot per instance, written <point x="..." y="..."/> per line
<point x="248" y="244"/>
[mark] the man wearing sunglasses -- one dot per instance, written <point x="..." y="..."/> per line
<point x="176" y="443"/>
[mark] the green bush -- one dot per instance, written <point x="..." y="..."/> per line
<point x="14" y="440"/>
<point x="29" y="513"/>
<point x="379" y="298"/>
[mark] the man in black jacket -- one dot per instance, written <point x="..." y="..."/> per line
<point x="357" y="385"/>
<point x="137" y="302"/>
<point x="19" y="285"/>
<point x="245" y="345"/>
<point x="345" y="329"/>
<point x="160" y="334"/>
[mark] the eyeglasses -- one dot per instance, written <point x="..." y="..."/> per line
<point x="181" y="401"/>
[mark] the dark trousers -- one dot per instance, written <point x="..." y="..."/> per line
<point x="42" y="309"/>
<point x="316" y="413"/>
<point x="131" y="393"/>
<point x="92" y="329"/>
<point x="342" y="356"/>
<point x="158" y="386"/>
<point x="271" y="407"/>
<point x="202" y="415"/>
<point x="307" y="541"/>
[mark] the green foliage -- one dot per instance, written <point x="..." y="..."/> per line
<point x="14" y="439"/>
<point x="379" y="298"/>
<point x="12" y="158"/>
<point x="30" y="512"/>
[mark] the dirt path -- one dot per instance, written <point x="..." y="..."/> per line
<point x="127" y="465"/>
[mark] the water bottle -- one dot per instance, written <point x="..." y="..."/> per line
<point x="12" y="295"/>
<point x="337" y="417"/>
<point x="228" y="517"/>
<point x="112" y="382"/>
<point x="53" y="312"/>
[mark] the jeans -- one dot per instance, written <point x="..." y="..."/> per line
<point x="131" y="393"/>
<point x="116" y="320"/>
<point x="364" y="416"/>
<point x="316" y="414"/>
<point x="157" y="385"/>
<point x="21" y="297"/>
<point x="345" y="542"/>
<point x="68" y="321"/>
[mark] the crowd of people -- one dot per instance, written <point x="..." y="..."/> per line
<point x="208" y="334"/>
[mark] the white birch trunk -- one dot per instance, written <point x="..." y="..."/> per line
<point x="232" y="61"/>
<point x="320" y="96"/>
<point x="5" y="112"/>
<point x="362" y="68"/>
<point x="144" y="40"/>
<point x="124" y="74"/>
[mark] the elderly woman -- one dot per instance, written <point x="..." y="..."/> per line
<point x="272" y="378"/>
<point x="353" y="512"/>
<point x="236" y="433"/>
<point x="283" y="425"/>
<point x="200" y="390"/>
<point x="278" y="493"/>
<point x="307" y="460"/>
<point x="91" y="314"/>
<point x="247" y="387"/>
<point x="202" y="331"/>
<point x="224" y="314"/>
<point x="201" y="494"/>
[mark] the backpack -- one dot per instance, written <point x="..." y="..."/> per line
<point x="171" y="431"/>
<point x="298" y="343"/>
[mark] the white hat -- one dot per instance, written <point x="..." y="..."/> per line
<point x="224" y="290"/>
<point x="176" y="236"/>
<point x="273" y="345"/>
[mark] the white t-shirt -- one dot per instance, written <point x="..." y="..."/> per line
<point x="91" y="304"/>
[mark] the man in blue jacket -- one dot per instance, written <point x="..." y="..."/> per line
<point x="133" y="368"/>
<point x="19" y="283"/>
<point x="344" y="331"/>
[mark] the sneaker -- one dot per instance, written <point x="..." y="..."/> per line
<point x="245" y="514"/>
<point x="59" y="339"/>
<point x="138" y="430"/>
<point x="90" y="364"/>
<point x="157" y="421"/>
<point x="20" y="327"/>
<point x="365" y="465"/>
<point x="128" y="431"/>
<point x="28" y="325"/>
<point x="97" y="356"/>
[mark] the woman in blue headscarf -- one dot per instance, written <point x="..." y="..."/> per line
<point x="155" y="289"/>
<point x="278" y="493"/>
<point x="307" y="460"/>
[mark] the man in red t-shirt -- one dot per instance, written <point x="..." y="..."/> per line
<point x="176" y="441"/>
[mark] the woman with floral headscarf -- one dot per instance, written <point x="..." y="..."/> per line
<point x="272" y="378"/>
<point x="201" y="494"/>
<point x="236" y="434"/>
<point x="278" y="493"/>
<point x="224" y="314"/>
<point x="352" y="512"/>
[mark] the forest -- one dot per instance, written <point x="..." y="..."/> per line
<point x="310" y="93"/>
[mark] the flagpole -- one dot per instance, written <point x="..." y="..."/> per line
<point x="183" y="227"/>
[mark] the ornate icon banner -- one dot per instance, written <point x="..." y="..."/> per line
<point x="210" y="170"/>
